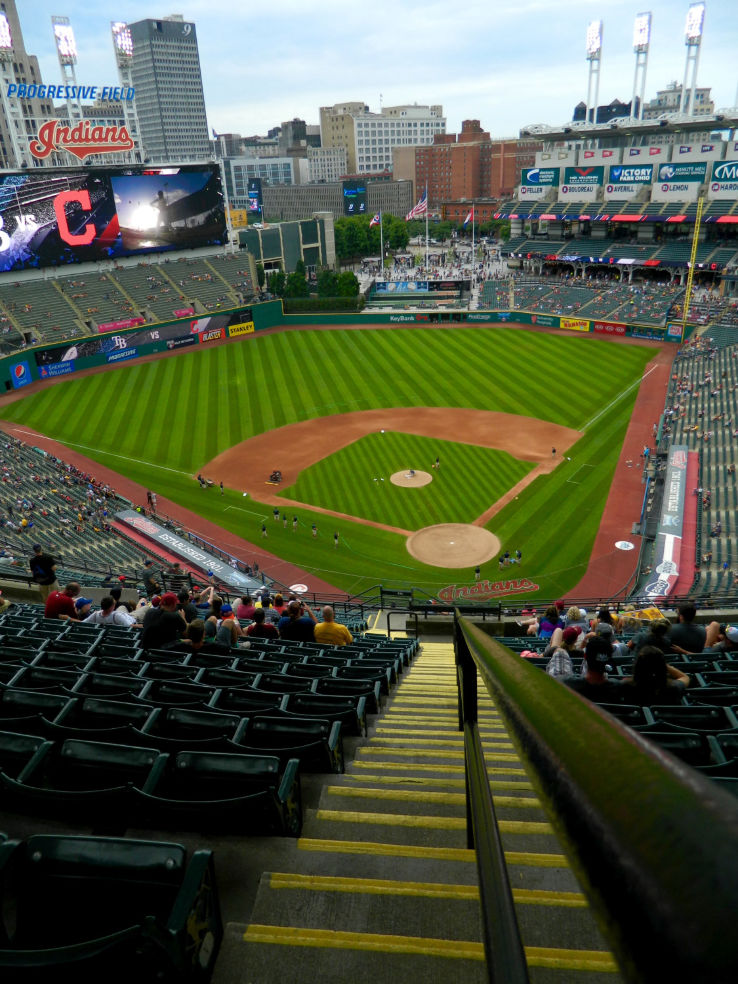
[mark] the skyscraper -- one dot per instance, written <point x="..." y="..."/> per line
<point x="165" y="70"/>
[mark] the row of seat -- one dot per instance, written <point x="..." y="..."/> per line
<point x="106" y="908"/>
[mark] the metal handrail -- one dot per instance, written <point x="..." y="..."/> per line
<point x="653" y="843"/>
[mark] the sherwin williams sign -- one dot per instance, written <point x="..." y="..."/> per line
<point x="535" y="182"/>
<point x="724" y="179"/>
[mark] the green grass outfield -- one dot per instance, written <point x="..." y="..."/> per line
<point x="356" y="480"/>
<point x="161" y="422"/>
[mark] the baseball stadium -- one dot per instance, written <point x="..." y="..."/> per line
<point x="481" y="479"/>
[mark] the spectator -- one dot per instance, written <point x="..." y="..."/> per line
<point x="686" y="636"/>
<point x="194" y="641"/>
<point x="149" y="579"/>
<point x="595" y="685"/>
<point x="229" y="631"/>
<point x="560" y="664"/>
<point x="298" y="624"/>
<point x="260" y="628"/>
<point x="43" y="571"/>
<point x="212" y="617"/>
<point x="162" y="624"/>
<point x="186" y="606"/>
<point x="279" y="604"/>
<point x="330" y="632"/>
<point x="654" y="681"/>
<point x="108" y="614"/>
<point x="60" y="604"/>
<point x="548" y="623"/>
<point x="83" y="607"/>
<point x="245" y="609"/>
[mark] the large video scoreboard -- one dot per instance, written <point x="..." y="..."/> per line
<point x="51" y="218"/>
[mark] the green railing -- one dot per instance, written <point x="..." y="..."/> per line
<point x="653" y="843"/>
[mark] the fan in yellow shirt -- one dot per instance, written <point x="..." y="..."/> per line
<point x="330" y="632"/>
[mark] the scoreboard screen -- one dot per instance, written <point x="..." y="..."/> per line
<point x="255" y="196"/>
<point x="354" y="198"/>
<point x="97" y="213"/>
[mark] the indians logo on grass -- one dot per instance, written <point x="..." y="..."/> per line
<point x="483" y="590"/>
<point x="81" y="140"/>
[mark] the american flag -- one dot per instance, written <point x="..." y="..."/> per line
<point x="420" y="209"/>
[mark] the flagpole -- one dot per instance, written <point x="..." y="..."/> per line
<point x="426" y="230"/>
<point x="472" y="253"/>
<point x="381" y="247"/>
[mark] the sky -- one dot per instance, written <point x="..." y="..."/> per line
<point x="506" y="65"/>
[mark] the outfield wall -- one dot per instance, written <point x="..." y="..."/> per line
<point x="43" y="362"/>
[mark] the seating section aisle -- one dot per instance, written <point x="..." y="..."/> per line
<point x="97" y="730"/>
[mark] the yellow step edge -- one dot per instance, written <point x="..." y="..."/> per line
<point x="452" y="743"/>
<point x="587" y="960"/>
<point x="415" y="781"/>
<point x="438" y="768"/>
<point x="428" y="822"/>
<point x="433" y="753"/>
<point x="447" y="799"/>
<point x="526" y="859"/>
<point x="384" y="886"/>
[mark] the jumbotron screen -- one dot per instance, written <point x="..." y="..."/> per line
<point x="354" y="198"/>
<point x="98" y="213"/>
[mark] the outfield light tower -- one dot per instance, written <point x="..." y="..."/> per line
<point x="66" y="49"/>
<point x="11" y="107"/>
<point x="693" y="40"/>
<point x="594" y="55"/>
<point x="641" y="41"/>
<point x="123" y="47"/>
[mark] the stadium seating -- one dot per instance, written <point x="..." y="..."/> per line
<point x="102" y="908"/>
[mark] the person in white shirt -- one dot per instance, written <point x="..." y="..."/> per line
<point x="110" y="615"/>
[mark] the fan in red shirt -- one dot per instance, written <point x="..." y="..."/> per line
<point x="60" y="604"/>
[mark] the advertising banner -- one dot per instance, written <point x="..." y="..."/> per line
<point x="190" y="553"/>
<point x="20" y="374"/>
<point x="211" y="335"/>
<point x="183" y="312"/>
<point x="674" y="331"/>
<point x="245" y="328"/>
<point x="678" y="182"/>
<point x="107" y="345"/>
<point x="581" y="184"/>
<point x="120" y="325"/>
<point x="724" y="180"/>
<point x="575" y="324"/>
<point x="625" y="181"/>
<point x="58" y="369"/>
<point x="646" y="153"/>
<point x="536" y="182"/>
<point x="669" y="534"/>
<point x="545" y="320"/>
<point x="609" y="328"/>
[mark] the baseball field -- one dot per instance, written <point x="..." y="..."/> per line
<point x="527" y="428"/>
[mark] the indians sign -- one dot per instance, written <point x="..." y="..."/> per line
<point x="81" y="140"/>
<point x="486" y="590"/>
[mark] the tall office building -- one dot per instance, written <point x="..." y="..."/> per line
<point x="20" y="119"/>
<point x="165" y="71"/>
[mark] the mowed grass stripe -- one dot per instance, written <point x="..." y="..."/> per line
<point x="462" y="367"/>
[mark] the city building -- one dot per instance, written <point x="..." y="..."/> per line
<point x="466" y="166"/>
<point x="20" y="119"/>
<point x="279" y="246"/>
<point x="612" y="111"/>
<point x="371" y="138"/>
<point x="270" y="170"/>
<point x="286" y="203"/>
<point x="165" y="71"/>
<point x="668" y="100"/>
<point x="326" y="163"/>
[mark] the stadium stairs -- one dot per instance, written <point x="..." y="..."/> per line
<point x="381" y="885"/>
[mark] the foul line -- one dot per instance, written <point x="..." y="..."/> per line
<point x="618" y="398"/>
<point x="109" y="454"/>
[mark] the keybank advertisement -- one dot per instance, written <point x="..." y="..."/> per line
<point x="535" y="182"/>
<point x="724" y="179"/>
<point x="581" y="183"/>
<point x="625" y="181"/>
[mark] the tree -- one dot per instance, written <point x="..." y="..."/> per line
<point x="347" y="285"/>
<point x="296" y="285"/>
<point x="276" y="283"/>
<point x="327" y="283"/>
<point x="260" y="275"/>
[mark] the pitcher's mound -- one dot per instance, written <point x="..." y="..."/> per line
<point x="453" y="545"/>
<point x="411" y="479"/>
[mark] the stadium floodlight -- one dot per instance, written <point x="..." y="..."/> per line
<point x="6" y="41"/>
<point x="65" y="43"/>
<point x="594" y="39"/>
<point x="642" y="31"/>
<point x="695" y="23"/>
<point x="122" y="39"/>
